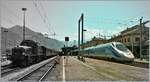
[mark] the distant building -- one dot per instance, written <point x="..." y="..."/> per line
<point x="95" y="41"/>
<point x="131" y="38"/>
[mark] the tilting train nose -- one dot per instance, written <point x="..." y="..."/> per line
<point x="130" y="55"/>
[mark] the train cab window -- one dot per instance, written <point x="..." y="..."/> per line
<point x="121" y="47"/>
<point x="28" y="51"/>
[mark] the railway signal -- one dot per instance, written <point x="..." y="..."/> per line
<point x="66" y="40"/>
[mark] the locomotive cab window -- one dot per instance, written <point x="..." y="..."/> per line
<point x="28" y="51"/>
<point x="18" y="50"/>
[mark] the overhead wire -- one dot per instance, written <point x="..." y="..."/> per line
<point x="46" y="18"/>
<point x="13" y="14"/>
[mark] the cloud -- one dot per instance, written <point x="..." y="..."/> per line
<point x="91" y="32"/>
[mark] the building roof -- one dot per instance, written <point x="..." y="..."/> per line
<point x="134" y="29"/>
<point x="130" y="29"/>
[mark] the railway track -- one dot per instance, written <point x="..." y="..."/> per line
<point x="139" y="64"/>
<point x="136" y="64"/>
<point x="6" y="67"/>
<point x="7" y="71"/>
<point x="40" y="73"/>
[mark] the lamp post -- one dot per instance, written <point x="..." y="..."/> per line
<point x="6" y="31"/>
<point x="24" y="10"/>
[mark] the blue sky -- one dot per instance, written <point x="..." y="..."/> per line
<point x="104" y="17"/>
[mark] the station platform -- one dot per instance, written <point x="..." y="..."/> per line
<point x="72" y="69"/>
<point x="101" y="70"/>
<point x="142" y="61"/>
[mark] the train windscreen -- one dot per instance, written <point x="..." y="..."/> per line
<point x="121" y="47"/>
<point x="17" y="50"/>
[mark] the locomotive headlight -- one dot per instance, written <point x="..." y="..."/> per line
<point x="23" y="54"/>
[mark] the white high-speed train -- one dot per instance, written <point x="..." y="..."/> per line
<point x="114" y="50"/>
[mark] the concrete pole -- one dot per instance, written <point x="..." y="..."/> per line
<point x="78" y="36"/>
<point x="82" y="35"/>
<point x="6" y="42"/>
<point x="132" y="42"/>
<point x="82" y="20"/>
<point x="141" y="38"/>
<point x="82" y="29"/>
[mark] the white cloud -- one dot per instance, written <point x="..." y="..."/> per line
<point x="90" y="33"/>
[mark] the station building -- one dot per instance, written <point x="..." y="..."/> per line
<point x="95" y="41"/>
<point x="129" y="37"/>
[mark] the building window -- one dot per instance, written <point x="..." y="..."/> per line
<point x="128" y="39"/>
<point x="145" y="38"/>
<point x="137" y="39"/>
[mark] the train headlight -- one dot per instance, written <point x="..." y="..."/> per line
<point x="130" y="55"/>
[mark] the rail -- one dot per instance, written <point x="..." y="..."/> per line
<point x="41" y="78"/>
